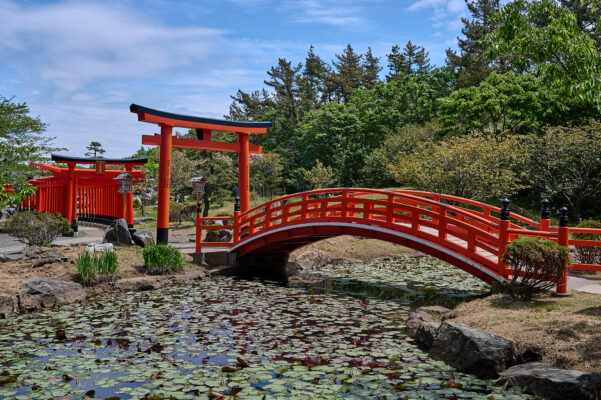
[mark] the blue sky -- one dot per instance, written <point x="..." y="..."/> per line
<point x="79" y="64"/>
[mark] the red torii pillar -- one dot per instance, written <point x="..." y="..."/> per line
<point x="203" y="127"/>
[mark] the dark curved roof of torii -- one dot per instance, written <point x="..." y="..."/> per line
<point x="240" y="124"/>
<point x="92" y="160"/>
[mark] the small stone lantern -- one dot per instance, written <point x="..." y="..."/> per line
<point x="199" y="183"/>
<point x="125" y="180"/>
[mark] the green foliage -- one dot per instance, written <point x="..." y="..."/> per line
<point x="586" y="254"/>
<point x="95" y="150"/>
<point x="413" y="61"/>
<point x="266" y="174"/>
<point x="566" y="166"/>
<point x="180" y="212"/>
<point x="162" y="259"/>
<point x="319" y="176"/>
<point x="21" y="141"/>
<point x="538" y="265"/>
<point x="546" y="40"/>
<point x="502" y="104"/>
<point x="37" y="229"/>
<point x="97" y="268"/>
<point x="474" y="167"/>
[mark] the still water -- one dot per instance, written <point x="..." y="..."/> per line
<point x="344" y="337"/>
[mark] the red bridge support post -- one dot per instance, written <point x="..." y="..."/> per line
<point x="563" y="240"/>
<point x="504" y="224"/>
<point x="545" y="215"/>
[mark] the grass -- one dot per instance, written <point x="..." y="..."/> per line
<point x="97" y="268"/>
<point x="162" y="259"/>
<point x="566" y="331"/>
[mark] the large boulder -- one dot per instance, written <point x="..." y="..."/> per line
<point x="143" y="238"/>
<point x="3" y="258"/>
<point x="141" y="283"/>
<point x="554" y="383"/>
<point x="7" y="303"/>
<point x="36" y="293"/>
<point x="423" y="324"/>
<point x="221" y="235"/>
<point x="117" y="233"/>
<point x="472" y="350"/>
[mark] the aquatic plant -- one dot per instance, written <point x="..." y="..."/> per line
<point x="162" y="259"/>
<point x="97" y="268"/>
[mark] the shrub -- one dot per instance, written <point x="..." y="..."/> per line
<point x="538" y="264"/>
<point x="97" y="267"/>
<point x="182" y="212"/>
<point x="586" y="254"/>
<point x="225" y="214"/>
<point x="161" y="259"/>
<point x="37" y="229"/>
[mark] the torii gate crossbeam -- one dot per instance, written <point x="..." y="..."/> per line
<point x="203" y="126"/>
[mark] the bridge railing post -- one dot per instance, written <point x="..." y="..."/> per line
<point x="237" y="226"/>
<point x="390" y="210"/>
<point x="198" y="227"/>
<point x="504" y="223"/>
<point x="563" y="240"/>
<point x="344" y="204"/>
<point x="545" y="215"/>
<point x="442" y="222"/>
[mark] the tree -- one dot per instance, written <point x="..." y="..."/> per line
<point x="413" y="61"/>
<point x="473" y="167"/>
<point x="349" y="74"/>
<point x="21" y="142"/>
<point x="266" y="174"/>
<point x="371" y="66"/>
<point x="314" y="81"/>
<point x="502" y="104"/>
<point x="546" y="40"/>
<point x="566" y="166"/>
<point x="472" y="64"/>
<point x="319" y="177"/>
<point x="95" y="148"/>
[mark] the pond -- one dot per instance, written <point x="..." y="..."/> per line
<point x="343" y="338"/>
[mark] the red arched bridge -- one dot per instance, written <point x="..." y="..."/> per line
<point x="466" y="233"/>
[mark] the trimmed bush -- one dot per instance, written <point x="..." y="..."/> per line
<point x="538" y="264"/>
<point x="586" y="254"/>
<point x="162" y="259"/>
<point x="180" y="212"/>
<point x="97" y="268"/>
<point x="37" y="229"/>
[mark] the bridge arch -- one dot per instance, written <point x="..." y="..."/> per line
<point x="467" y="234"/>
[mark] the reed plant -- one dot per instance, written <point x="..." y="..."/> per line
<point x="160" y="259"/>
<point x="97" y="268"/>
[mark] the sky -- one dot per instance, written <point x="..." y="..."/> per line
<point x="80" y="64"/>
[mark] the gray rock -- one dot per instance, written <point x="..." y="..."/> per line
<point x="423" y="324"/>
<point x="472" y="350"/>
<point x="7" y="303"/>
<point x="3" y="258"/>
<point x="36" y="293"/>
<point x="141" y="283"/>
<point x="190" y="275"/>
<point x="345" y="261"/>
<point x="553" y="383"/>
<point x="118" y="233"/>
<point x="100" y="248"/>
<point x="292" y="268"/>
<point x="143" y="238"/>
<point x="312" y="259"/>
<point x="34" y="251"/>
<point x="218" y="258"/>
<point x="221" y="235"/>
<point x="8" y="212"/>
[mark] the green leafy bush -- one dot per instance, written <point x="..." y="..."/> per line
<point x="97" y="267"/>
<point x="179" y="212"/>
<point x="162" y="259"/>
<point x="537" y="263"/>
<point x="586" y="254"/>
<point x="37" y="229"/>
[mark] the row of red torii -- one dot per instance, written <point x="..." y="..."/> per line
<point x="468" y="234"/>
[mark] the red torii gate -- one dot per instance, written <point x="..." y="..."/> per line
<point x="91" y="193"/>
<point x="203" y="126"/>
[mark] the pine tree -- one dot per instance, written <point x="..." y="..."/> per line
<point x="471" y="63"/>
<point x="95" y="150"/>
<point x="285" y="80"/>
<point x="314" y="81"/>
<point x="397" y="64"/>
<point x="371" y="67"/>
<point x="349" y="73"/>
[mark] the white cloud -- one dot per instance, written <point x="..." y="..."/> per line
<point x="71" y="44"/>
<point x="339" y="13"/>
<point x="447" y="13"/>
